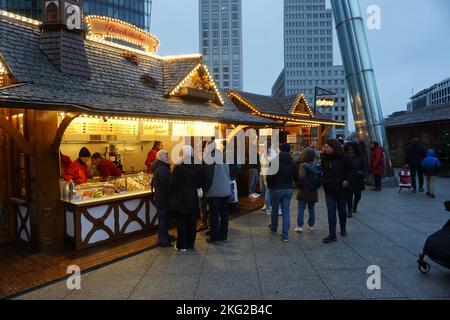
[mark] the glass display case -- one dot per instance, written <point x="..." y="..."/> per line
<point x="101" y="188"/>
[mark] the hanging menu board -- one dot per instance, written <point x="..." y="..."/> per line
<point x="93" y="129"/>
<point x="193" y="130"/>
<point x="154" y="130"/>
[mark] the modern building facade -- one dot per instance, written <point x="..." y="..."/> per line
<point x="437" y="94"/>
<point x="308" y="57"/>
<point x="220" y="37"/>
<point x="137" y="12"/>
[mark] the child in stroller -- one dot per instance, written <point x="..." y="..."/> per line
<point x="405" y="179"/>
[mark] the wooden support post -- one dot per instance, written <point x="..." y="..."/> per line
<point x="24" y="145"/>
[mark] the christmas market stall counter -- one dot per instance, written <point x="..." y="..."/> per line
<point x="101" y="212"/>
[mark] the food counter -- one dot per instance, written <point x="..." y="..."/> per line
<point x="103" y="211"/>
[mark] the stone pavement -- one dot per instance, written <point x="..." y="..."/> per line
<point x="389" y="231"/>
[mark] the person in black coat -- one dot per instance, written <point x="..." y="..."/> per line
<point x="160" y="184"/>
<point x="414" y="154"/>
<point x="281" y="188"/>
<point x="359" y="173"/>
<point x="184" y="184"/>
<point x="337" y="169"/>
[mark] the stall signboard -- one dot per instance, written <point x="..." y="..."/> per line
<point x="292" y="139"/>
<point x="193" y="130"/>
<point x="154" y="130"/>
<point x="265" y="132"/>
<point x="85" y="129"/>
<point x="110" y="28"/>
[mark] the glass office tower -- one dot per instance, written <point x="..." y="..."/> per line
<point x="221" y="40"/>
<point x="137" y="12"/>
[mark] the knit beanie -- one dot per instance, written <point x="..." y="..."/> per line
<point x="84" y="152"/>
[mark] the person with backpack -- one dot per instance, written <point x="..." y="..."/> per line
<point x="160" y="184"/>
<point x="309" y="182"/>
<point x="431" y="167"/>
<point x="359" y="173"/>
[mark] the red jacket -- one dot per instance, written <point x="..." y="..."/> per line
<point x="151" y="157"/>
<point x="107" y="168"/>
<point x="377" y="163"/>
<point x="77" y="172"/>
<point x="65" y="161"/>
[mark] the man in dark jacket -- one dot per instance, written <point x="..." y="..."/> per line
<point x="360" y="172"/>
<point x="184" y="184"/>
<point x="160" y="184"/>
<point x="337" y="169"/>
<point x="414" y="154"/>
<point x="281" y="187"/>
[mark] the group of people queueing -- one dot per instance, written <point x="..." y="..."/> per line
<point x="179" y="191"/>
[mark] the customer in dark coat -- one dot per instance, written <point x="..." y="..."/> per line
<point x="337" y="169"/>
<point x="281" y="187"/>
<point x="305" y="196"/>
<point x="414" y="154"/>
<point x="160" y="184"/>
<point x="359" y="173"/>
<point x="184" y="182"/>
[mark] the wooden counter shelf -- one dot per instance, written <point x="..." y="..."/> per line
<point x="93" y="222"/>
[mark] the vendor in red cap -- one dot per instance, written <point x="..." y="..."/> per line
<point x="78" y="171"/>
<point x="105" y="168"/>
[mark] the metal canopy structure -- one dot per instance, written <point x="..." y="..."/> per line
<point x="360" y="75"/>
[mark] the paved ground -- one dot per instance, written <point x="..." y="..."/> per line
<point x="389" y="231"/>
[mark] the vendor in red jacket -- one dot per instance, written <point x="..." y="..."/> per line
<point x="78" y="171"/>
<point x="105" y="168"/>
<point x="151" y="157"/>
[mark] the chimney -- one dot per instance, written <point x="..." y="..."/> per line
<point x="62" y="38"/>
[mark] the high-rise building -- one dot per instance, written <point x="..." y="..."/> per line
<point x="438" y="93"/>
<point x="137" y="12"/>
<point x="221" y="41"/>
<point x="308" y="58"/>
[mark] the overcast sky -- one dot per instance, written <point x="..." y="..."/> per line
<point x="409" y="53"/>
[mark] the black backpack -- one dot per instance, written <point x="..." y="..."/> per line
<point x="313" y="176"/>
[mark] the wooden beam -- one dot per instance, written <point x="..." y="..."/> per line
<point x="61" y="129"/>
<point x="24" y="145"/>
<point x="325" y="131"/>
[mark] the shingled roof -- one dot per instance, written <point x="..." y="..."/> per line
<point x="280" y="106"/>
<point x="114" y="85"/>
<point x="431" y="114"/>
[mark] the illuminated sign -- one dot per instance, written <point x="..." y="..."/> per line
<point x="110" y="28"/>
<point x="325" y="102"/>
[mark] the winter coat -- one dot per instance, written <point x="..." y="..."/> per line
<point x="107" y="168"/>
<point x="336" y="169"/>
<point x="151" y="157"/>
<point x="359" y="172"/>
<point x="184" y="182"/>
<point x="160" y="184"/>
<point x="377" y="163"/>
<point x="77" y="172"/>
<point x="304" y="193"/>
<point x="431" y="165"/>
<point x="414" y="154"/>
<point x="286" y="174"/>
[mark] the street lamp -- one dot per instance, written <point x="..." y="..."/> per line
<point x="325" y="98"/>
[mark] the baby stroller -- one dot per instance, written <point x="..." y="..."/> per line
<point x="405" y="179"/>
<point x="437" y="247"/>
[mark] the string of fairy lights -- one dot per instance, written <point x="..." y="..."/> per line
<point x="255" y="111"/>
<point x="300" y="97"/>
<point x="189" y="76"/>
